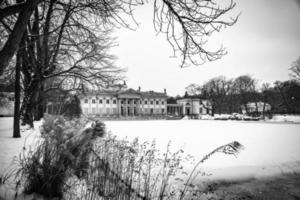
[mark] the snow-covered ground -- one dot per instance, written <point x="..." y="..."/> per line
<point x="10" y="148"/>
<point x="269" y="147"/>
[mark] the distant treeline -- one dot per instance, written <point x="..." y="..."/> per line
<point x="230" y="95"/>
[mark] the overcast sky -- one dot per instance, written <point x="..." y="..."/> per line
<point x="263" y="43"/>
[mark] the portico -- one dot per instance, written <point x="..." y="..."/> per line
<point x="129" y="103"/>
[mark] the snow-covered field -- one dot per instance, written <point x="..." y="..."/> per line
<point x="269" y="147"/>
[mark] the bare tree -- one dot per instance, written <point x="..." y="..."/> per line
<point x="24" y="10"/>
<point x="193" y="89"/>
<point x="295" y="70"/>
<point x="245" y="86"/>
<point x="266" y="95"/>
<point x="216" y="90"/>
<point x="16" y="129"/>
<point x="187" y="24"/>
<point x="66" y="47"/>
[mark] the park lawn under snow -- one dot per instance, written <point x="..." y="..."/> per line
<point x="269" y="147"/>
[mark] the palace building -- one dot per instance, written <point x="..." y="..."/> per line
<point x="118" y="101"/>
<point x="124" y="102"/>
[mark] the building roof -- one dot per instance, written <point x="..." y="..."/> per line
<point x="129" y="93"/>
<point x="154" y="94"/>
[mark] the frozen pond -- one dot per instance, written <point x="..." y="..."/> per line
<point x="265" y="143"/>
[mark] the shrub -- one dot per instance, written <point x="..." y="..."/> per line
<point x="63" y="151"/>
<point x="120" y="169"/>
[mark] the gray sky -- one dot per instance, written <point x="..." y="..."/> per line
<point x="263" y="43"/>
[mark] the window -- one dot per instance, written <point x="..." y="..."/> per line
<point x="86" y="101"/>
<point x="151" y="111"/>
<point x="115" y="102"/>
<point x="163" y="102"/>
<point x="93" y="101"/>
<point x="100" y="101"/>
<point x="157" y="102"/>
<point x="162" y="111"/>
<point x="146" y="102"/>
<point x="107" y="101"/>
<point x="151" y="102"/>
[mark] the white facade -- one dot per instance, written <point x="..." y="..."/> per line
<point x="194" y="106"/>
<point x="190" y="106"/>
<point x="124" y="103"/>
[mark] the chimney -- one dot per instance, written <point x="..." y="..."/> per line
<point x="165" y="91"/>
<point x="139" y="88"/>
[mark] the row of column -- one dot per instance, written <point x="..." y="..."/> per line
<point x="130" y="109"/>
<point x="174" y="110"/>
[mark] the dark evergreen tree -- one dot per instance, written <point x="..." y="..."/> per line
<point x="71" y="107"/>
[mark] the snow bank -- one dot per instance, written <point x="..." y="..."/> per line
<point x="221" y="116"/>
<point x="206" y="117"/>
<point x="185" y="118"/>
<point x="285" y="118"/>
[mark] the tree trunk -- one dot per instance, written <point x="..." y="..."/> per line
<point x="16" y="130"/>
<point x="246" y="108"/>
<point x="27" y="112"/>
<point x="14" y="39"/>
<point x="32" y="108"/>
<point x="40" y="105"/>
<point x="28" y="105"/>
<point x="256" y="107"/>
<point x="212" y="110"/>
<point x="264" y="108"/>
